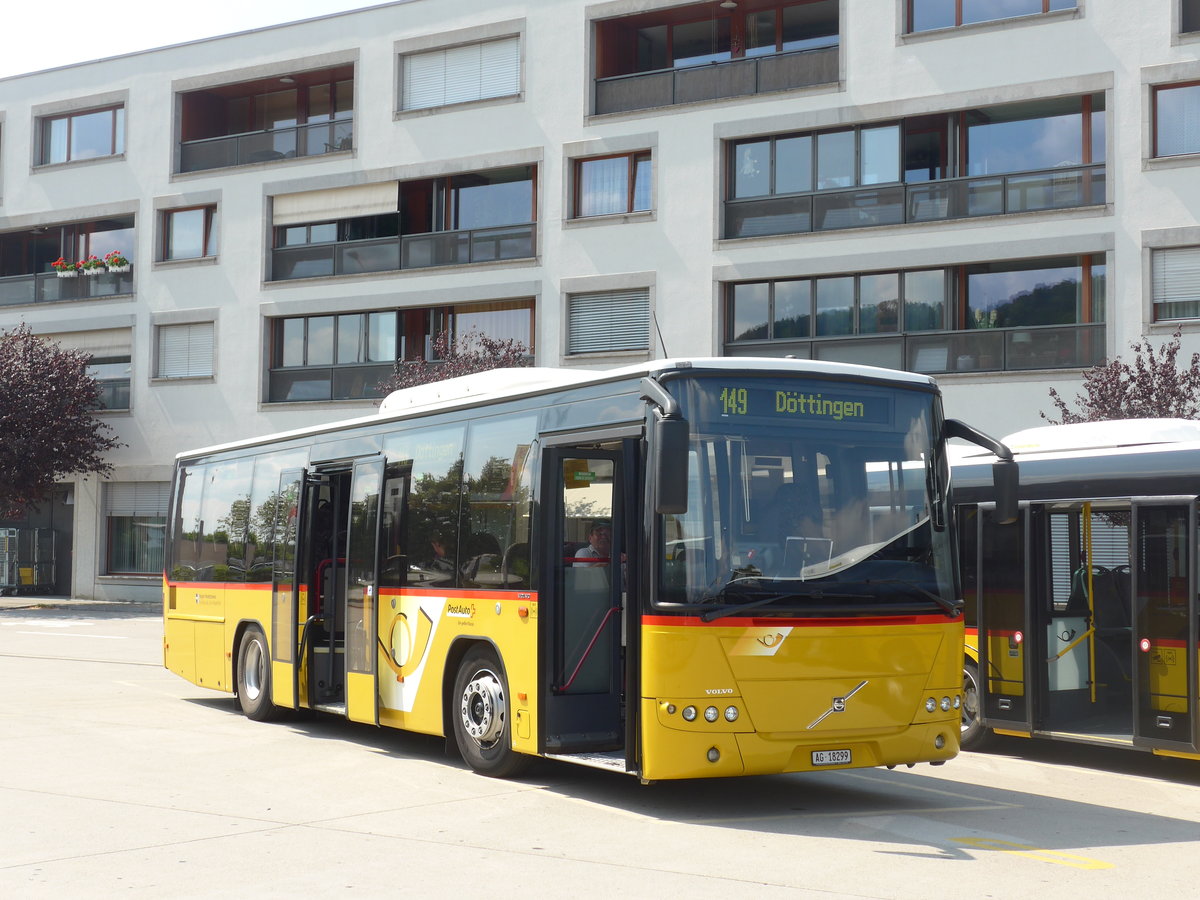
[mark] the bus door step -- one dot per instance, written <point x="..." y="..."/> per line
<point x="335" y="708"/>
<point x="614" y="760"/>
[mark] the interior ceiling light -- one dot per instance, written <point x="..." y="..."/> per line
<point x="728" y="4"/>
<point x="288" y="79"/>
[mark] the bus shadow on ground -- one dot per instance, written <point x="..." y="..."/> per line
<point x="923" y="807"/>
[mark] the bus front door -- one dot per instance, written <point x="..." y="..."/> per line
<point x="582" y="600"/>
<point x="1164" y="611"/>
<point x="1004" y="592"/>
<point x="362" y="589"/>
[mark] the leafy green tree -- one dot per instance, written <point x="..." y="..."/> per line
<point x="47" y="428"/>
<point x="1152" y="386"/>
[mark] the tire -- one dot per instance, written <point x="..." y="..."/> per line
<point x="254" y="677"/>
<point x="482" y="726"/>
<point x="974" y="735"/>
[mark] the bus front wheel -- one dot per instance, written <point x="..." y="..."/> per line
<point x="254" y="677"/>
<point x="482" y="728"/>
<point x="974" y="735"/>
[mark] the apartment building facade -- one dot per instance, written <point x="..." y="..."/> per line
<point x="997" y="192"/>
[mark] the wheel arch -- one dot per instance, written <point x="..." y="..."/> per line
<point x="239" y="632"/>
<point x="457" y="652"/>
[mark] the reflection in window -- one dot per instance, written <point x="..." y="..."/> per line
<point x="927" y="15"/>
<point x="1041" y="292"/>
<point x="611" y="185"/>
<point x="112" y="374"/>
<point x="85" y="135"/>
<point x="189" y="233"/>
<point x="1177" y="120"/>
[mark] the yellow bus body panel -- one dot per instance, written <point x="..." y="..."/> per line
<point x="786" y="681"/>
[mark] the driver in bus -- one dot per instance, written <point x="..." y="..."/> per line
<point x="598" y="552"/>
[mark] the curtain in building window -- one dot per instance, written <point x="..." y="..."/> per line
<point x="604" y="186"/>
<point x="1176" y="283"/>
<point x="185" y="350"/>
<point x="1177" y="121"/>
<point x="608" y="321"/>
<point x="136" y="515"/>
<point x="462" y="74"/>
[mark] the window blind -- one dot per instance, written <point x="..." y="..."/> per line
<point x="1176" y="282"/>
<point x="608" y="321"/>
<point x="136" y="498"/>
<point x="185" y="350"/>
<point x="461" y="74"/>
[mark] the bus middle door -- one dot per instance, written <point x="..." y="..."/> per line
<point x="361" y="593"/>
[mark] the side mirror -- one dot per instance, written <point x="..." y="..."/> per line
<point x="1005" y="476"/>
<point x="669" y="465"/>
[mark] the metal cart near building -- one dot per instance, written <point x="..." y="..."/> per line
<point x="27" y="560"/>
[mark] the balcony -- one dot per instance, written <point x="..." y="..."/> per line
<point x="716" y="80"/>
<point x="933" y="201"/>
<point x="47" y="287"/>
<point x="951" y="352"/>
<point x="308" y="383"/>
<point x="266" y="146"/>
<point x="413" y="251"/>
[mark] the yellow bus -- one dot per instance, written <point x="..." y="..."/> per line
<point x="1082" y="620"/>
<point x="686" y="568"/>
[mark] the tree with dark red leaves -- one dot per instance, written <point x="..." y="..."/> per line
<point x="1152" y="386"/>
<point x="470" y="353"/>
<point x="47" y="427"/>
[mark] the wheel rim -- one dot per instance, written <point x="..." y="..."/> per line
<point x="970" y="707"/>
<point x="255" y="670"/>
<point x="482" y="708"/>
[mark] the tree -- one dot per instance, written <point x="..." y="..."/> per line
<point x="47" y="427"/>
<point x="465" y="355"/>
<point x="1151" y="387"/>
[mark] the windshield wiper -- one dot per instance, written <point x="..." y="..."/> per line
<point x="951" y="608"/>
<point x="818" y="594"/>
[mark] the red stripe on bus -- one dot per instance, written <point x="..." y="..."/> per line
<point x="749" y="621"/>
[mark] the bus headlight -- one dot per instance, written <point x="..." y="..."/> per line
<point x="957" y="701"/>
<point x="689" y="714"/>
<point x="731" y="713"/>
<point x="930" y="704"/>
<point x="711" y="714"/>
<point x="945" y="704"/>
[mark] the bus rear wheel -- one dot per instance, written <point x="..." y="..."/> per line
<point x="974" y="734"/>
<point x="254" y="677"/>
<point x="482" y="727"/>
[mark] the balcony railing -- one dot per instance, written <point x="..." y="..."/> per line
<point x="412" y="251"/>
<point x="350" y="382"/>
<point x="264" y="146"/>
<point x="932" y="201"/>
<point x="716" y="80"/>
<point x="941" y="352"/>
<point x="47" y="287"/>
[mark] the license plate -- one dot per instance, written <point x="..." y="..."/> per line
<point x="831" y="757"/>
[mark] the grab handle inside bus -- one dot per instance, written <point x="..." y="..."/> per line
<point x="1005" y="472"/>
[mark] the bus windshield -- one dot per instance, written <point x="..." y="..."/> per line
<point x="808" y="496"/>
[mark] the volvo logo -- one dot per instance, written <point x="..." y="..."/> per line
<point x="838" y="705"/>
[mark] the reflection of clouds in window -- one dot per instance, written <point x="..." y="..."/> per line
<point x="989" y="290"/>
<point x="1025" y="145"/>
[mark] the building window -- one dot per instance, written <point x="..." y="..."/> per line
<point x="1177" y="120"/>
<point x="1024" y="314"/>
<point x="927" y="15"/>
<point x="112" y="374"/>
<point x="299" y="114"/>
<point x="136" y="517"/>
<point x="456" y="220"/>
<point x="189" y="233"/>
<point x="345" y="356"/>
<point x="461" y="74"/>
<point x="1175" y="276"/>
<point x="84" y="135"/>
<point x="185" y="351"/>
<point x="998" y="160"/>
<point x="1189" y="15"/>
<point x="608" y="321"/>
<point x="609" y="185"/>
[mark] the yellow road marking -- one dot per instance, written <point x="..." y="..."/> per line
<point x="1038" y="853"/>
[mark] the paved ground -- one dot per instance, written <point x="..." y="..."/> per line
<point x="119" y="779"/>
